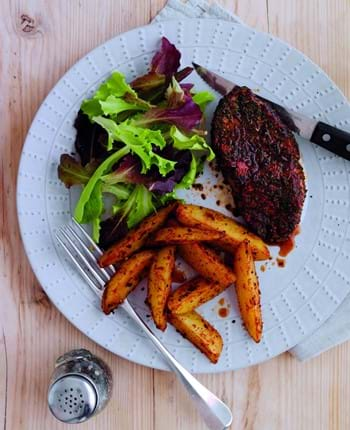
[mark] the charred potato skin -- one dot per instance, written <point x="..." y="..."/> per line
<point x="136" y="238"/>
<point x="159" y="285"/>
<point x="199" y="332"/>
<point x="247" y="290"/>
<point x="192" y="294"/>
<point x="179" y="235"/>
<point x="206" y="262"/>
<point x="125" y="280"/>
<point x="234" y="233"/>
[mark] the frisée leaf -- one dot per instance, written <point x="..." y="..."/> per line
<point x="140" y="141"/>
<point x="194" y="143"/>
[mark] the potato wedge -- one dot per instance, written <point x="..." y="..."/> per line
<point x="247" y="289"/>
<point x="207" y="263"/>
<point x="181" y="235"/>
<point x="127" y="277"/>
<point x="192" y="294"/>
<point x="136" y="237"/>
<point x="199" y="332"/>
<point x="159" y="285"/>
<point x="235" y="233"/>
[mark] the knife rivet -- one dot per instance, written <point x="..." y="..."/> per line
<point x="326" y="137"/>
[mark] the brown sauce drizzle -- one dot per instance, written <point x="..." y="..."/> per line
<point x="178" y="276"/>
<point x="288" y="245"/>
<point x="223" y="312"/>
<point x="281" y="262"/>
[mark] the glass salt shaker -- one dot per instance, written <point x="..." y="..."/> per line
<point x="80" y="386"/>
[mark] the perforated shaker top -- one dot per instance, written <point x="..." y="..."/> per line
<point x="72" y="399"/>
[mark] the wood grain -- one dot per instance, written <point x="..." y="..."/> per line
<point x="40" y="40"/>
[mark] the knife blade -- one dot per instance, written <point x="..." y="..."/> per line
<point x="335" y="140"/>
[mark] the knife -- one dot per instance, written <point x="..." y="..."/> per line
<point x="318" y="132"/>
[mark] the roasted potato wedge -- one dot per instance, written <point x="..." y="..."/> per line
<point x="247" y="289"/>
<point x="136" y="237"/>
<point x="192" y="294"/>
<point x="159" y="284"/>
<point x="199" y="332"/>
<point x="234" y="233"/>
<point x="181" y="235"/>
<point x="127" y="277"/>
<point x="207" y="263"/>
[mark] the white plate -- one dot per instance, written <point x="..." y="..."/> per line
<point x="296" y="299"/>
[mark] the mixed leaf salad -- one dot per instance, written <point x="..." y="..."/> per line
<point x="139" y="142"/>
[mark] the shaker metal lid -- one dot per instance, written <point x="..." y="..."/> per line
<point x="72" y="399"/>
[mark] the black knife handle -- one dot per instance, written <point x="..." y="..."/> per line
<point x="333" y="139"/>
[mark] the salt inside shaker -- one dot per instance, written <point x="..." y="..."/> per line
<point x="80" y="386"/>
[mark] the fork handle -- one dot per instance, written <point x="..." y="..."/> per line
<point x="215" y="413"/>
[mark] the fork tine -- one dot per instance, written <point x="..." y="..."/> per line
<point x="82" y="257"/>
<point x="92" y="243"/>
<point x="77" y="265"/>
<point x="89" y="253"/>
<point x="97" y="248"/>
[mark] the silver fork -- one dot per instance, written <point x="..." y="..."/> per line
<point x="83" y="252"/>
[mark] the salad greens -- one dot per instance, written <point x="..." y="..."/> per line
<point x="89" y="205"/>
<point x="139" y="143"/>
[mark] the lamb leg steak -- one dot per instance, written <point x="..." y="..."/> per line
<point x="260" y="159"/>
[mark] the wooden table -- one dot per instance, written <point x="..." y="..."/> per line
<point x="40" y="40"/>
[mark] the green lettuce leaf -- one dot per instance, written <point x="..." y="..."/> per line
<point x="138" y="206"/>
<point x="94" y="206"/>
<point x="203" y="98"/>
<point x="114" y="105"/>
<point x="190" y="177"/>
<point x="93" y="210"/>
<point x="142" y="205"/>
<point x="193" y="143"/>
<point x="115" y="86"/>
<point x="121" y="192"/>
<point x="84" y="211"/>
<point x="186" y="182"/>
<point x="91" y="108"/>
<point x="96" y="228"/>
<point x="110" y="126"/>
<point x="140" y="141"/>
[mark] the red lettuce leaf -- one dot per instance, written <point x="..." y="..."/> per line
<point x="128" y="171"/>
<point x="71" y="172"/>
<point x="180" y="109"/>
<point x="187" y="87"/>
<point x="187" y="116"/>
<point x="166" y="185"/>
<point x="164" y="66"/>
<point x="91" y="139"/>
<point x="112" y="230"/>
<point x="183" y="73"/>
<point x="167" y="60"/>
<point x="152" y="86"/>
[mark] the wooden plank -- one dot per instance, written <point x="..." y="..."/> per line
<point x="319" y="28"/>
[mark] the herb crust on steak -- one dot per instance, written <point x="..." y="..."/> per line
<point x="260" y="159"/>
